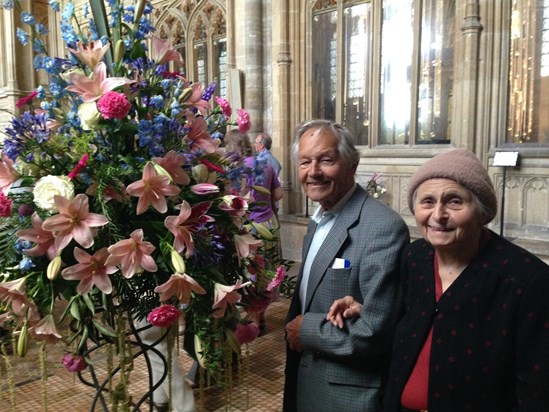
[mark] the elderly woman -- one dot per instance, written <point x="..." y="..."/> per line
<point x="474" y="333"/>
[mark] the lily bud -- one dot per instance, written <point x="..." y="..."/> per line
<point x="162" y="172"/>
<point x="139" y="8"/>
<point x="178" y="262"/>
<point x="119" y="51"/>
<point x="186" y="94"/>
<point x="22" y="342"/>
<point x="54" y="268"/>
<point x="200" y="173"/>
<point x="262" y="231"/>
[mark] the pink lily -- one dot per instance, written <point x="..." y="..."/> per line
<point x="180" y="286"/>
<point x="198" y="137"/>
<point x="245" y="243"/>
<point x="236" y="206"/>
<point x="44" y="239"/>
<point x="226" y="295"/>
<point x="163" y="52"/>
<point x="195" y="100"/>
<point x="204" y="189"/>
<point x="73" y="221"/>
<point x="8" y="175"/>
<point x="186" y="223"/>
<point x="152" y="189"/>
<point x="45" y="330"/>
<point x="91" y="270"/>
<point x="13" y="289"/>
<point x="172" y="162"/>
<point x="133" y="255"/>
<point x="93" y="87"/>
<point x="90" y="54"/>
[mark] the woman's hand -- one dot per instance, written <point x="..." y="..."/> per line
<point x="344" y="308"/>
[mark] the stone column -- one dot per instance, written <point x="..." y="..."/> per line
<point x="253" y="69"/>
<point x="467" y="88"/>
<point x="282" y="121"/>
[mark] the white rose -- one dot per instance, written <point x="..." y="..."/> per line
<point x="49" y="186"/>
<point x="89" y="115"/>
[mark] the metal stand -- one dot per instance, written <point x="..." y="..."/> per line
<point x="102" y="386"/>
<point x="502" y="213"/>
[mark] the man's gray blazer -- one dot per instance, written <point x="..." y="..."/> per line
<point x="344" y="369"/>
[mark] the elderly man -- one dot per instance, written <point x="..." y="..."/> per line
<point x="262" y="146"/>
<point x="352" y="247"/>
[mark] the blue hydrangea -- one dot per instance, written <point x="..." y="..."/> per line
<point x="28" y="18"/>
<point x="38" y="61"/>
<point x="22" y="36"/>
<point x="41" y="92"/>
<point x="45" y="105"/>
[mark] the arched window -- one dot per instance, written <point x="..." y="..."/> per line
<point x="527" y="120"/>
<point x="198" y="30"/>
<point x="390" y="89"/>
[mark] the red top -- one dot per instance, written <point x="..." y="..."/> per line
<point x="416" y="392"/>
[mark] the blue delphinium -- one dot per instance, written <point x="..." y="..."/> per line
<point x="22" y="36"/>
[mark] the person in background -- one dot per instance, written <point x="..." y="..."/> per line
<point x="262" y="146"/>
<point x="182" y="394"/>
<point x="475" y="329"/>
<point x="262" y="210"/>
<point x="352" y="247"/>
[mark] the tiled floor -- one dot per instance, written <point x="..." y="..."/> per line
<point x="259" y="390"/>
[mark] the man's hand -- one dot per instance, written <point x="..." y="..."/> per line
<point x="292" y="333"/>
<point x="344" y="308"/>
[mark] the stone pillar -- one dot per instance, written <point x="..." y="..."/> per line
<point x="253" y="69"/>
<point x="467" y="87"/>
<point x="282" y="121"/>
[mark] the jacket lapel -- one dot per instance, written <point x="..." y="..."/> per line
<point x="333" y="242"/>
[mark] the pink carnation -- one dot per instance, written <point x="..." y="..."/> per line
<point x="164" y="316"/>
<point x="5" y="205"/>
<point x="243" y="121"/>
<point x="113" y="105"/>
<point x="225" y="106"/>
<point x="246" y="332"/>
<point x="74" y="363"/>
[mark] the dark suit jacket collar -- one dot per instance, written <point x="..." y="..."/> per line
<point x="348" y="215"/>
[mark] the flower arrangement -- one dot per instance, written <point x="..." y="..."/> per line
<point x="374" y="187"/>
<point x="115" y="199"/>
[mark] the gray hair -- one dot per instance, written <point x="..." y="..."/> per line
<point x="484" y="212"/>
<point x="345" y="147"/>
<point x="265" y="140"/>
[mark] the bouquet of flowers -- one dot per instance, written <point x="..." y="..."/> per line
<point x="374" y="187"/>
<point x="115" y="200"/>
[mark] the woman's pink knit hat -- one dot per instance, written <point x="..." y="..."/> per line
<point x="463" y="167"/>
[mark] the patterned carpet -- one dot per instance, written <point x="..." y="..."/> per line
<point x="260" y="389"/>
